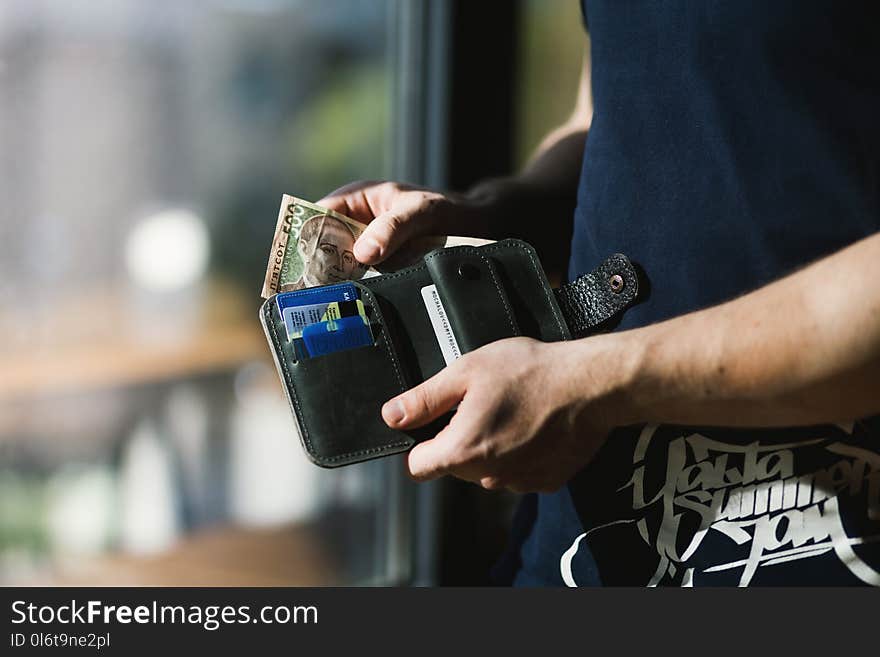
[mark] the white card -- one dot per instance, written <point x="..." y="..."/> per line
<point x="440" y="323"/>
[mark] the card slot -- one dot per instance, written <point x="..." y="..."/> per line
<point x="337" y="397"/>
<point x="286" y="347"/>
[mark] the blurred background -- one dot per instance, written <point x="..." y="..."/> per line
<point x="144" y="148"/>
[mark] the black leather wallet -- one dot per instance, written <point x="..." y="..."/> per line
<point x="489" y="292"/>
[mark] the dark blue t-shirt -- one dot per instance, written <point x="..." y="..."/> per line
<point x="731" y="143"/>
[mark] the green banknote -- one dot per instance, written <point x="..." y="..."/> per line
<point x="312" y="246"/>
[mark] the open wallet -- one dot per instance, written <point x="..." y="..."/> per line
<point x="409" y="324"/>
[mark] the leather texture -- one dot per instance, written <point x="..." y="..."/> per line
<point x="474" y="299"/>
<point x="595" y="299"/>
<point x="489" y="293"/>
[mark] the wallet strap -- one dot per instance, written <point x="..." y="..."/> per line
<point x="599" y="297"/>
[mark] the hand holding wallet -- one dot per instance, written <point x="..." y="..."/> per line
<point x="417" y="320"/>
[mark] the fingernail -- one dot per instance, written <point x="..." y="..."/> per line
<point x="393" y="412"/>
<point x="366" y="249"/>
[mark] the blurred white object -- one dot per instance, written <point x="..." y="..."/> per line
<point x="187" y="418"/>
<point x="148" y="521"/>
<point x="272" y="481"/>
<point x="80" y="510"/>
<point x="167" y="251"/>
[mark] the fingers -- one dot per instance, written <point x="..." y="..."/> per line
<point x="423" y="404"/>
<point x="491" y="483"/>
<point x="454" y="450"/>
<point x="432" y="458"/>
<point x="357" y="200"/>
<point x="394" y="213"/>
<point x="427" y="401"/>
<point x="411" y="214"/>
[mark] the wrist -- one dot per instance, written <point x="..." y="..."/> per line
<point x="602" y="374"/>
<point x="670" y="374"/>
<point x="646" y="384"/>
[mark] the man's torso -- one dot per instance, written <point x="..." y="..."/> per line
<point x="731" y="144"/>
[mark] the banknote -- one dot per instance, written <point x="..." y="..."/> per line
<point x="314" y="246"/>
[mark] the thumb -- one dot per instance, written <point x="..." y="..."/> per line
<point x="405" y="219"/>
<point x="426" y="402"/>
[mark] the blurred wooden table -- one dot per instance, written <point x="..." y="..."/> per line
<point x="90" y="344"/>
<point x="290" y="556"/>
<point x="46" y="363"/>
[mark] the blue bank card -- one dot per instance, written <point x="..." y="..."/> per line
<point x="343" y="333"/>
<point x="315" y="295"/>
<point x="302" y="307"/>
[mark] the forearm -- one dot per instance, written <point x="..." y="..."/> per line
<point x="550" y="177"/>
<point x="803" y="350"/>
<point x="553" y="170"/>
<point x="537" y="204"/>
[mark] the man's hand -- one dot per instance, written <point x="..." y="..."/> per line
<point x="526" y="419"/>
<point x="803" y="350"/>
<point x="397" y="213"/>
<point x="496" y="208"/>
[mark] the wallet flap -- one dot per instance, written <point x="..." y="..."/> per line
<point x="597" y="299"/>
<point x="472" y="295"/>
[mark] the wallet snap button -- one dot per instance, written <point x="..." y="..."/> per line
<point x="468" y="271"/>
<point x="616" y="283"/>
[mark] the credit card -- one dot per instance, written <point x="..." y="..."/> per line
<point x="300" y="308"/>
<point x="339" y="309"/>
<point x="298" y="317"/>
<point x="299" y="349"/>
<point x="336" y="335"/>
<point x="315" y="295"/>
<point x="440" y="323"/>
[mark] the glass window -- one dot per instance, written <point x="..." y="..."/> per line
<point x="144" y="148"/>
